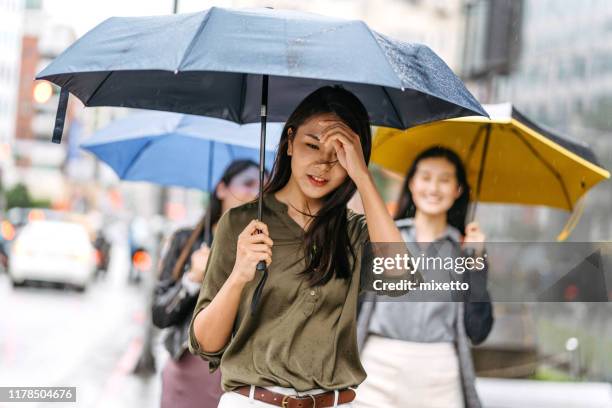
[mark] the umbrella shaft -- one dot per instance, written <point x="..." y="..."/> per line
<point x="483" y="160"/>
<point x="208" y="228"/>
<point x="261" y="265"/>
<point x="262" y="144"/>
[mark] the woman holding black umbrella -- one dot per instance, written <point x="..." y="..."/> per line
<point x="299" y="346"/>
<point x="217" y="63"/>
<point x="186" y="381"/>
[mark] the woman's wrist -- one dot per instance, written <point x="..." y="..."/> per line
<point x="236" y="280"/>
<point x="476" y="250"/>
<point x="364" y="180"/>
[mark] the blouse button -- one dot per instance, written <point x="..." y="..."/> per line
<point x="310" y="303"/>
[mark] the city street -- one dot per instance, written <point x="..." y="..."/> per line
<point x="91" y="340"/>
<point x="247" y="158"/>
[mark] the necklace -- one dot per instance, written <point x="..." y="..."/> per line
<point x="298" y="211"/>
<point x="309" y="215"/>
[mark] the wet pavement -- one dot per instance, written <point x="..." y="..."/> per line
<point x="91" y="340"/>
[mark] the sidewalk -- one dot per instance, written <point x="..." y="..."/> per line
<point x="507" y="393"/>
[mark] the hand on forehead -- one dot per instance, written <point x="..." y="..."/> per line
<point x="317" y="124"/>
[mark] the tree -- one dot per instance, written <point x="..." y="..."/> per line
<point x="19" y="196"/>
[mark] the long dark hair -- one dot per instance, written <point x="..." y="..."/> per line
<point x="234" y="169"/>
<point x="457" y="213"/>
<point x="214" y="208"/>
<point x="326" y="240"/>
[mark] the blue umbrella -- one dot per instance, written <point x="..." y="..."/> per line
<point x="177" y="150"/>
<point x="222" y="62"/>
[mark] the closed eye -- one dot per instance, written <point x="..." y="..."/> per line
<point x="312" y="146"/>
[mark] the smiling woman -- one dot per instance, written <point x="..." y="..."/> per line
<point x="425" y="339"/>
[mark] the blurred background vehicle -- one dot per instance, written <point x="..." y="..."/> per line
<point x="52" y="251"/>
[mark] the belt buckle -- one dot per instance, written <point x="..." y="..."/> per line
<point x="285" y="401"/>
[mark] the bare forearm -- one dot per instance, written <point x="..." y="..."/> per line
<point x="381" y="226"/>
<point x="213" y="325"/>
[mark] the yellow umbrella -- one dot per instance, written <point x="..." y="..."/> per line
<point x="508" y="158"/>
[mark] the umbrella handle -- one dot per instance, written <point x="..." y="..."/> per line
<point x="60" y="116"/>
<point x="259" y="288"/>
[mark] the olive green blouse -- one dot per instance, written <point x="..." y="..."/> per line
<point x="300" y="337"/>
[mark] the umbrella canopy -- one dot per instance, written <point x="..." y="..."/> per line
<point x="212" y="62"/>
<point x="177" y="150"/>
<point x="508" y="159"/>
<point x="223" y="63"/>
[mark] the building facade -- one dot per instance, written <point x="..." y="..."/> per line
<point x="11" y="20"/>
<point x="561" y="78"/>
<point x="39" y="163"/>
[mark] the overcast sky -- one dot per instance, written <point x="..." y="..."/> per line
<point x="86" y="14"/>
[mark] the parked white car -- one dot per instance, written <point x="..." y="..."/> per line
<point x="52" y="251"/>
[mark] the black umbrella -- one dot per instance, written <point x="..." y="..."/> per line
<point x="223" y="62"/>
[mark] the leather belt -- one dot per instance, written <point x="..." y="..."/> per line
<point x="323" y="400"/>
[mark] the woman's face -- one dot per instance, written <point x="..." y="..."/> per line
<point x="242" y="188"/>
<point x="434" y="186"/>
<point x="314" y="167"/>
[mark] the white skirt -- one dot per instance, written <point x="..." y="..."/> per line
<point x="235" y="400"/>
<point x="403" y="374"/>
